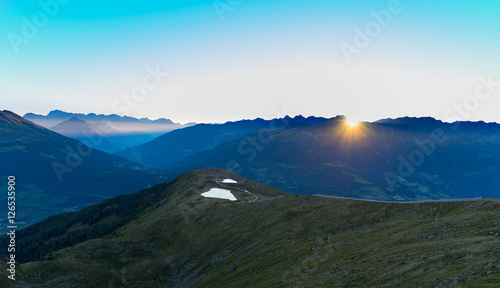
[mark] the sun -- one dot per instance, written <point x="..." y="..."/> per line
<point x="352" y="132"/>
<point x="352" y="122"/>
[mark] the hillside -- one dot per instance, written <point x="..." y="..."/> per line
<point x="397" y="160"/>
<point x="55" y="174"/>
<point x="99" y="219"/>
<point x="181" y="239"/>
<point x="178" y="144"/>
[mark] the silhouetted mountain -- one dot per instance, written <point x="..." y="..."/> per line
<point x="400" y="159"/>
<point x="61" y="116"/>
<point x="124" y="124"/>
<point x="75" y="127"/>
<point x="180" y="143"/>
<point x="172" y="236"/>
<point x="99" y="136"/>
<point x="56" y="174"/>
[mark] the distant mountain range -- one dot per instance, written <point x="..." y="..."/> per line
<point x="108" y="133"/>
<point x="123" y="124"/>
<point x="397" y="160"/>
<point x="56" y="174"/>
<point x="171" y="236"/>
<point x="57" y="116"/>
<point x="180" y="143"/>
<point x="100" y="135"/>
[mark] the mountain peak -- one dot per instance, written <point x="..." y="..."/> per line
<point x="75" y="119"/>
<point x="75" y="128"/>
<point x="204" y="180"/>
<point x="420" y="123"/>
<point x="163" y="121"/>
<point x="58" y="113"/>
<point x="8" y="118"/>
<point x="71" y="122"/>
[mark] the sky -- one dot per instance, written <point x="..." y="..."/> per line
<point x="217" y="61"/>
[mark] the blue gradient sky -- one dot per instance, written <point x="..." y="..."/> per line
<point x="263" y="59"/>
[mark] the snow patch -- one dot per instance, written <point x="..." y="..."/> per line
<point x="219" y="193"/>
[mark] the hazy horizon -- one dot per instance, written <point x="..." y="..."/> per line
<point x="239" y="119"/>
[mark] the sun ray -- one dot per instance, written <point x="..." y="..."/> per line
<point x="352" y="132"/>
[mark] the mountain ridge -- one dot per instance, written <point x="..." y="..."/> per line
<point x="181" y="239"/>
<point x="185" y="188"/>
<point x="58" y="173"/>
<point x="124" y="124"/>
<point x="10" y="118"/>
<point x="99" y="135"/>
<point x="180" y="143"/>
<point x="59" y="114"/>
<point x="412" y="159"/>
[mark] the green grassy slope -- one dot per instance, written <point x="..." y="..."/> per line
<point x="185" y="240"/>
